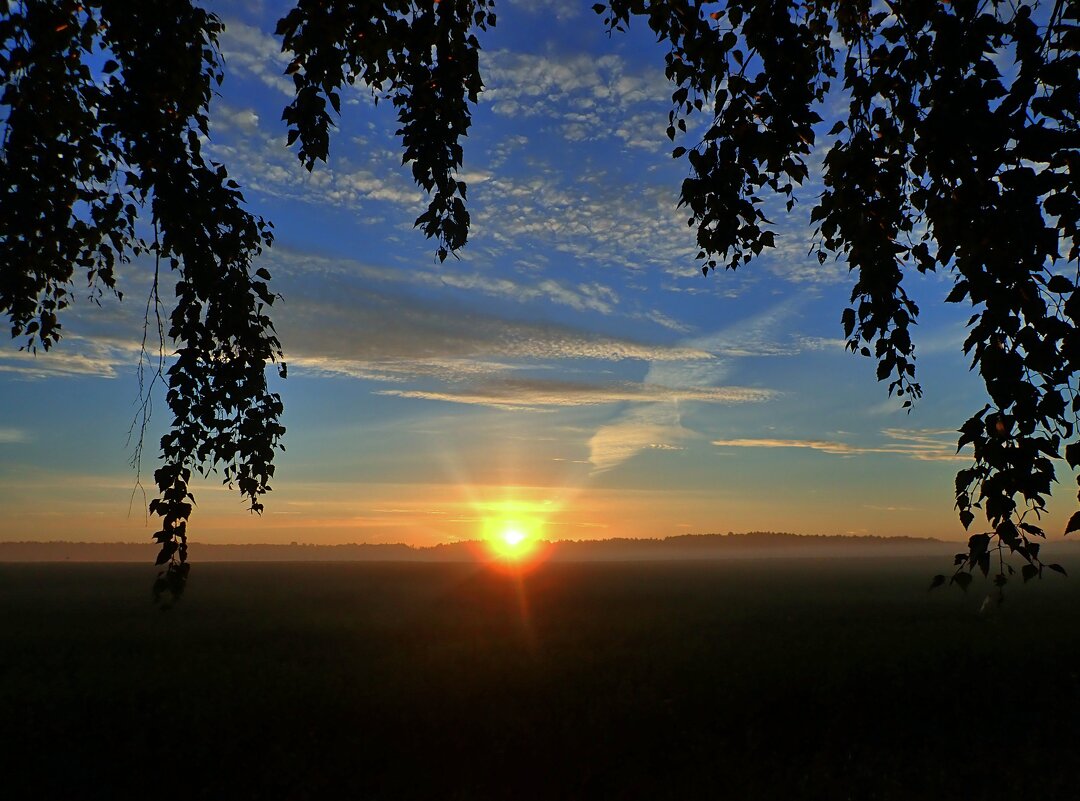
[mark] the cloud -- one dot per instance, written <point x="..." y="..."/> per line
<point x="248" y="50"/>
<point x="660" y="424"/>
<point x="644" y="130"/>
<point x="401" y="370"/>
<point x="586" y="296"/>
<point x="571" y="87"/>
<point x="537" y="394"/>
<point x="591" y="217"/>
<point x="10" y="436"/>
<point x="812" y="444"/>
<point x="921" y="444"/>
<point x="655" y="427"/>
<point x="926" y="443"/>
<point x="258" y="159"/>
<point x="821" y="343"/>
<point x="763" y="334"/>
<point x="560" y="9"/>
<point x="365" y="331"/>
<point x="663" y="320"/>
<point x="238" y="119"/>
<point x="75" y="356"/>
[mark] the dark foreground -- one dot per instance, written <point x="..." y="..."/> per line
<point x="752" y="680"/>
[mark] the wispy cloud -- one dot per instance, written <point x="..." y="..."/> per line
<point x="821" y="343"/>
<point x="660" y="425"/>
<point x="10" y="436"/>
<point x="377" y="329"/>
<point x="655" y="427"/>
<point x="921" y="444"/>
<point x="591" y="296"/>
<point x="766" y="333"/>
<point x="75" y="356"/>
<point x="664" y="321"/>
<point x="841" y="448"/>
<point x="538" y="394"/>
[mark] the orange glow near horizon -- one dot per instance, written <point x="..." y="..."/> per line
<point x="513" y="540"/>
<point x="514" y="535"/>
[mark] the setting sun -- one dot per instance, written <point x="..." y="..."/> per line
<point x="512" y="539"/>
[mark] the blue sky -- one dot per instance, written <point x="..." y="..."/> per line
<point x="573" y="367"/>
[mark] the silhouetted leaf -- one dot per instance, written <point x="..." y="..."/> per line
<point x="167" y="550"/>
<point x="1033" y="530"/>
<point x="1072" y="454"/>
<point x="1059" y="284"/>
<point x="1009" y="534"/>
<point x="977" y="545"/>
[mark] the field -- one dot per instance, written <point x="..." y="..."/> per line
<point x="770" y="679"/>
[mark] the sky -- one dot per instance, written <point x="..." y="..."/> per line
<point x="572" y="370"/>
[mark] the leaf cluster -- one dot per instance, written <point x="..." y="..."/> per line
<point x="424" y="57"/>
<point x="105" y="109"/>
<point x="959" y="152"/>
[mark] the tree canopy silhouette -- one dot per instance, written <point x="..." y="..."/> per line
<point x="959" y="151"/>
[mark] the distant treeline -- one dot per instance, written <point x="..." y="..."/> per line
<point x="756" y="538"/>
<point x="750" y="544"/>
<point x="683" y="546"/>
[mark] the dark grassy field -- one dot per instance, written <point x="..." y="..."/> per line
<point x="741" y="680"/>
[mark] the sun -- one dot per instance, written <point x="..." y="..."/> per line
<point x="512" y="540"/>
<point x="513" y="537"/>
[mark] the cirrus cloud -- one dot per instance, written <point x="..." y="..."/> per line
<point x="930" y="445"/>
<point x="539" y="394"/>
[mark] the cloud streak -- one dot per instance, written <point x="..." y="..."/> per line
<point x="365" y="331"/>
<point x="538" y="394"/>
<point x="927" y="445"/>
<point x="654" y="427"/>
<point x="659" y="425"/>
<point x="100" y="357"/>
<point x="11" y="436"/>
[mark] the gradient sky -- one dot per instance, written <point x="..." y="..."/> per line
<point x="573" y="368"/>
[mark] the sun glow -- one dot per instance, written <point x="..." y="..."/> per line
<point x="512" y="539"/>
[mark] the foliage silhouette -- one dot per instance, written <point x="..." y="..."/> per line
<point x="943" y="162"/>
